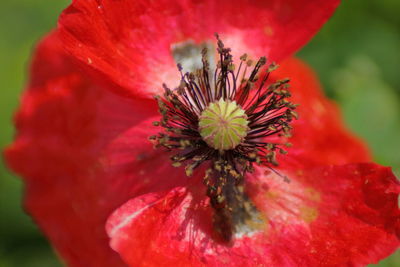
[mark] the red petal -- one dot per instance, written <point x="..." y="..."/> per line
<point x="82" y="151"/>
<point x="319" y="135"/>
<point x="329" y="216"/>
<point x="129" y="42"/>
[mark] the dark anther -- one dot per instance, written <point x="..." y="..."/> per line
<point x="229" y="120"/>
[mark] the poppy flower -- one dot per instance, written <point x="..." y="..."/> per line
<point x="103" y="194"/>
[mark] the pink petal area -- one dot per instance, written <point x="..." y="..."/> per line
<point x="128" y="43"/>
<point x="328" y="216"/>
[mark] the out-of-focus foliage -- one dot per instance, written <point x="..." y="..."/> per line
<point x="356" y="55"/>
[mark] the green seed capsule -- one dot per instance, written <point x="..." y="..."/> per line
<point x="223" y="125"/>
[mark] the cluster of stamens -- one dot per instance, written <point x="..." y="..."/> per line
<point x="227" y="121"/>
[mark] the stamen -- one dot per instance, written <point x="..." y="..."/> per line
<point x="229" y="120"/>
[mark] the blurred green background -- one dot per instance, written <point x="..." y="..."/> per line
<point x="356" y="55"/>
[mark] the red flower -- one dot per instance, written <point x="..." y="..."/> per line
<point x="82" y="147"/>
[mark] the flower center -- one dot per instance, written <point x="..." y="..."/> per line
<point x="223" y="125"/>
<point x="226" y="118"/>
